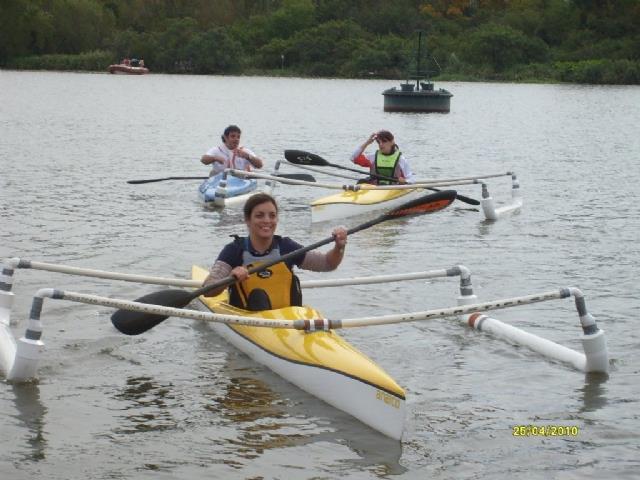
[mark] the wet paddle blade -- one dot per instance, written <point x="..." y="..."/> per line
<point x="296" y="176"/>
<point x="300" y="157"/>
<point x="135" y="323"/>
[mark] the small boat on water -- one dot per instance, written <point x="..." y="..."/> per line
<point x="122" y="69"/>
<point x="223" y="189"/>
<point x="321" y="362"/>
<point x="421" y="97"/>
<point x="349" y="203"/>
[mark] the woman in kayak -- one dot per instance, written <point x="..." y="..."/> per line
<point x="277" y="286"/>
<point x="388" y="161"/>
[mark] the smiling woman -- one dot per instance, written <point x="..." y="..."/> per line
<point x="277" y="286"/>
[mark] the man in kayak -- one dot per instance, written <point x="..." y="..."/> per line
<point x="387" y="161"/>
<point x="276" y="287"/>
<point x="230" y="154"/>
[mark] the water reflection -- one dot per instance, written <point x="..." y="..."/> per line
<point x="267" y="421"/>
<point x="594" y="392"/>
<point x="150" y="408"/>
<point x="269" y="414"/>
<point x="31" y="413"/>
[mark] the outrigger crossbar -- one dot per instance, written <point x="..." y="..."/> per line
<point x="426" y="180"/>
<point x="351" y="187"/>
<point x="19" y="359"/>
<point x="491" y="212"/>
<point x="595" y="358"/>
<point x="16" y="263"/>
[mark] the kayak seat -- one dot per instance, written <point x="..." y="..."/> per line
<point x="258" y="300"/>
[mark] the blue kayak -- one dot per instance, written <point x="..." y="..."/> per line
<point x="218" y="189"/>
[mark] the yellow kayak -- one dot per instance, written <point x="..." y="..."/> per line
<point x="321" y="363"/>
<point x="350" y="203"/>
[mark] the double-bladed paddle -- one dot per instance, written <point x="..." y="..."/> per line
<point x="294" y="176"/>
<point x="135" y="323"/>
<point x="300" y="157"/>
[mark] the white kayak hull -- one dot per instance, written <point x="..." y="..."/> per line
<point x="373" y="407"/>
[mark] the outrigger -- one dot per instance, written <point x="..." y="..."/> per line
<point x="297" y="342"/>
<point x="362" y="198"/>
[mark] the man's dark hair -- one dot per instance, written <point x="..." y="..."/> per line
<point x="229" y="129"/>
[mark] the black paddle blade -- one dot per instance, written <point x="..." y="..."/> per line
<point x="135" y="323"/>
<point x="462" y="198"/>
<point x="300" y="157"/>
<point x="469" y="200"/>
<point x="296" y="176"/>
<point x="427" y="204"/>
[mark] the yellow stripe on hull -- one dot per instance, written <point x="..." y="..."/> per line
<point x="326" y="350"/>
<point x="361" y="197"/>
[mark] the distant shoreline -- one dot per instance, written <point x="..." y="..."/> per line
<point x="291" y="74"/>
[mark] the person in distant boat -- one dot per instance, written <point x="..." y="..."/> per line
<point x="387" y="161"/>
<point x="141" y="63"/>
<point x="276" y="287"/>
<point x="230" y="154"/>
<point x="126" y="61"/>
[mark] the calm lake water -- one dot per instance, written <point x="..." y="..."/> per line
<point x="180" y="403"/>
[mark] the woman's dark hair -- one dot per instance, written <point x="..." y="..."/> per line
<point x="387" y="136"/>
<point x="229" y="129"/>
<point x="255" y="200"/>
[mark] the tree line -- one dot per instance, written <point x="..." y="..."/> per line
<point x="579" y="41"/>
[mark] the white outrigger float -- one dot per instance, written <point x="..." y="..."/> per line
<point x="300" y="344"/>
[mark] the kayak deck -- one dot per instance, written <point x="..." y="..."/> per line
<point x="211" y="190"/>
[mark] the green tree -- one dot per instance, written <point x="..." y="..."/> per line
<point x="290" y="18"/>
<point x="79" y="25"/>
<point x="213" y="51"/>
<point x="25" y="28"/>
<point x="324" y="49"/>
<point x="500" y="47"/>
<point x="386" y="56"/>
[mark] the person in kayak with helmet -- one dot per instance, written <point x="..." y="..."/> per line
<point x="387" y="161"/>
<point x="277" y="286"/>
<point x="230" y="154"/>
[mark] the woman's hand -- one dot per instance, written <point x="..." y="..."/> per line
<point x="241" y="273"/>
<point x="340" y="238"/>
<point x="371" y="139"/>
